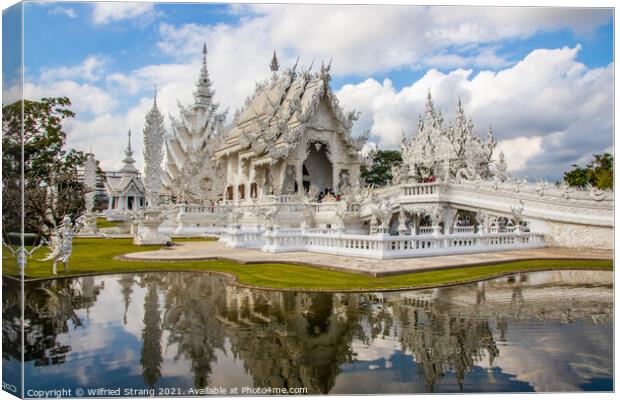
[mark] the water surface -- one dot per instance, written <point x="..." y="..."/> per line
<point x="169" y="332"/>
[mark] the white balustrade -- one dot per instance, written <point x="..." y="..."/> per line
<point x="245" y="237"/>
<point x="425" y="230"/>
<point x="463" y="229"/>
<point x="390" y="247"/>
<point x="420" y="189"/>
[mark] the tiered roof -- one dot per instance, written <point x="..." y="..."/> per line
<point x="128" y="176"/>
<point x="280" y="110"/>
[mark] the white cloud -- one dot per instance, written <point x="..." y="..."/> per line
<point x="538" y="100"/>
<point x="519" y="150"/>
<point x="365" y="39"/>
<point x="127" y="84"/>
<point x="85" y="98"/>
<point x="66" y="11"/>
<point x="104" y="13"/>
<point x="90" y="69"/>
<point x="107" y="133"/>
<point x="548" y="110"/>
<point x="484" y="58"/>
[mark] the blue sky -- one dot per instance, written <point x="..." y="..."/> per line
<point x="503" y="62"/>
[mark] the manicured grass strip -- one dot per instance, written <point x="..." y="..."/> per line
<point x="96" y="256"/>
<point x="104" y="223"/>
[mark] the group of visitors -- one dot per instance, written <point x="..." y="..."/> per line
<point x="327" y="196"/>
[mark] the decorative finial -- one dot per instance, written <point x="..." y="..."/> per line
<point x="324" y="73"/>
<point x="204" y="55"/>
<point x="129" y="140"/>
<point x="274" y="66"/>
<point x="155" y="95"/>
<point x="295" y="66"/>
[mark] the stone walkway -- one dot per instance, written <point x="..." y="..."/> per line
<point x="214" y="250"/>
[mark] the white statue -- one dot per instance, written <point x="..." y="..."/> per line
<point x="402" y="222"/>
<point x="501" y="168"/>
<point x="517" y="215"/>
<point x="61" y="245"/>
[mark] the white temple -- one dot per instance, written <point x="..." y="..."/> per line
<point x="291" y="135"/>
<point x="285" y="176"/>
<point x="124" y="188"/>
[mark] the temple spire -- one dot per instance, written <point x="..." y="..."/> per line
<point x="154" y="109"/>
<point x="203" y="93"/>
<point x="129" y="168"/>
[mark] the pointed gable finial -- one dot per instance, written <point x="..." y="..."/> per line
<point x="129" y="142"/>
<point x="274" y="66"/>
<point x="296" y="62"/>
<point x="324" y="72"/>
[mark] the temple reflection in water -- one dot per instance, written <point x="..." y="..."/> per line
<point x="193" y="330"/>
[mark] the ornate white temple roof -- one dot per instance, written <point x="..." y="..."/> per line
<point x="280" y="109"/>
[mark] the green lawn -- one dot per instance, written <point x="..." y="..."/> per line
<point x="104" y="223"/>
<point x="96" y="256"/>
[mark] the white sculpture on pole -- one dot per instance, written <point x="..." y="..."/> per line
<point x="151" y="217"/>
<point x="90" y="182"/>
<point x="153" y="154"/>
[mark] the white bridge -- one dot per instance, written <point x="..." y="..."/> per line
<point x="411" y="220"/>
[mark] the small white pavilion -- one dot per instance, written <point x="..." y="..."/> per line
<point x="124" y="188"/>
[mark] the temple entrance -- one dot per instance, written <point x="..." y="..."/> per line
<point x="318" y="169"/>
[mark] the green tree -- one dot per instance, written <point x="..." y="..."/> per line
<point x="380" y="174"/>
<point x="598" y="173"/>
<point x="50" y="180"/>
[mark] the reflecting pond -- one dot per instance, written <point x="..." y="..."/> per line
<point x="542" y="331"/>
